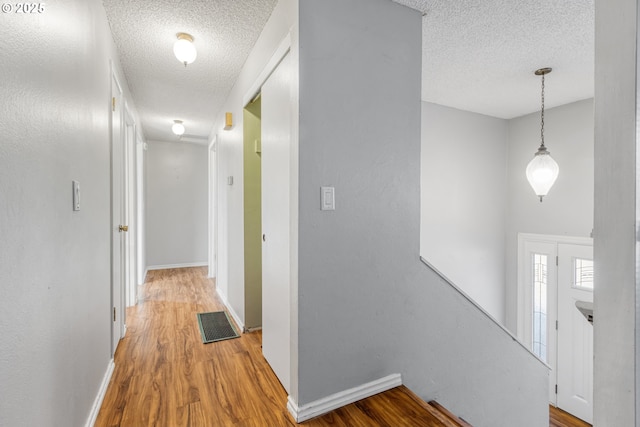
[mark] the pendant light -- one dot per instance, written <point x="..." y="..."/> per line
<point x="178" y="127"/>
<point x="542" y="170"/>
<point x="184" y="49"/>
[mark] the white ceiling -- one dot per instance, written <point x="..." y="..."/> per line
<point x="478" y="55"/>
<point x="162" y="88"/>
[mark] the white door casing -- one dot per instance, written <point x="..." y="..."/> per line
<point x="118" y="242"/>
<point x="276" y="256"/>
<point x="130" y="218"/>
<point x="575" y="336"/>
<point x="570" y="346"/>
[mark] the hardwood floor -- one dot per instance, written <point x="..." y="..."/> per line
<point x="559" y="418"/>
<point x="166" y="377"/>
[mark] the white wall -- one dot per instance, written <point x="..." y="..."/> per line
<point x="230" y="210"/>
<point x="367" y="306"/>
<point x="616" y="300"/>
<point x="568" y="208"/>
<point x="463" y="201"/>
<point x="55" y="323"/>
<point x="177" y="204"/>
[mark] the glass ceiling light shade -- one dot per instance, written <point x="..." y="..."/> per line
<point x="542" y="170"/>
<point x="184" y="49"/>
<point x="178" y="127"/>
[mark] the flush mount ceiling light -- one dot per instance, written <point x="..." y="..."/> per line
<point x="542" y="170"/>
<point x="184" y="49"/>
<point x="178" y="127"/>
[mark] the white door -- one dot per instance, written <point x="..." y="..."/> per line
<point x="118" y="241"/>
<point x="575" y="333"/>
<point x="276" y="146"/>
<point x="129" y="200"/>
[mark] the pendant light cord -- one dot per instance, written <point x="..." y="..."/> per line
<point x="542" y="115"/>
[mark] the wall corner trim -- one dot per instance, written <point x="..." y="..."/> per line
<point x="230" y="309"/>
<point x="97" y="403"/>
<point x="342" y="398"/>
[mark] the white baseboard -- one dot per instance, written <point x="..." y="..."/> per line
<point x="184" y="265"/>
<point x="343" y="398"/>
<point x="230" y="309"/>
<point x="97" y="403"/>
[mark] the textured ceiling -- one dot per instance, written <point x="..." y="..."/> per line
<point x="162" y="88"/>
<point x="480" y="55"/>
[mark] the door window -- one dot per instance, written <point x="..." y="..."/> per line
<point x="540" y="305"/>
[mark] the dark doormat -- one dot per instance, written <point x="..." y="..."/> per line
<point x="216" y="326"/>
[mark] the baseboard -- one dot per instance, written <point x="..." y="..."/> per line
<point x="184" y="265"/>
<point x="230" y="309"/>
<point x="343" y="398"/>
<point x="97" y="403"/>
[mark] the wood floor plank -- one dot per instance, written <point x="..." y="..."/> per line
<point x="165" y="376"/>
<point x="560" y="418"/>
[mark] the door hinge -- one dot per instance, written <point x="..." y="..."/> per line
<point x="114" y="314"/>
<point x="556" y="388"/>
<point x="556" y="255"/>
<point x="113" y="103"/>
<point x="556" y="325"/>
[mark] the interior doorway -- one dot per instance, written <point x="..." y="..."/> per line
<point x="555" y="275"/>
<point x="252" y="151"/>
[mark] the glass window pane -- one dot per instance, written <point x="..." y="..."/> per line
<point x="540" y="306"/>
<point x="583" y="273"/>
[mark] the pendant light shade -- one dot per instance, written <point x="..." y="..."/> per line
<point x="178" y="127"/>
<point x="542" y="170"/>
<point x="184" y="49"/>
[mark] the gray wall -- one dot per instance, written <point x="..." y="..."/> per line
<point x="568" y="208"/>
<point x="177" y="204"/>
<point x="55" y="328"/>
<point x="367" y="306"/>
<point x="616" y="214"/>
<point x="463" y="201"/>
<point x="476" y="198"/>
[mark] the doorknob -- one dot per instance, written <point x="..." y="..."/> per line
<point x="123" y="228"/>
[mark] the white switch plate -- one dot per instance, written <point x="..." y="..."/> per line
<point x="327" y="198"/>
<point x="76" y="195"/>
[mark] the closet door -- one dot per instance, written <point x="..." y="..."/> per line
<point x="276" y="257"/>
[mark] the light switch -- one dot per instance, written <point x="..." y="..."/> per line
<point x="327" y="198"/>
<point x="76" y="195"/>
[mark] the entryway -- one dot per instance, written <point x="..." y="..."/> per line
<point x="555" y="275"/>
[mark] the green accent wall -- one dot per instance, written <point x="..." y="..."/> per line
<point x="252" y="217"/>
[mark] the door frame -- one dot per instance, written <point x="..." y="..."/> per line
<point x="130" y="197"/>
<point x="116" y="312"/>
<point x="289" y="45"/>
<point x="213" y="207"/>
<point x="526" y="242"/>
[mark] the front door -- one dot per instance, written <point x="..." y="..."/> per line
<point x="554" y="273"/>
<point x="575" y="333"/>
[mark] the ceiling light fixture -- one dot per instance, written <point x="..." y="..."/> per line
<point x="178" y="127"/>
<point x="542" y="170"/>
<point x="184" y="49"/>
